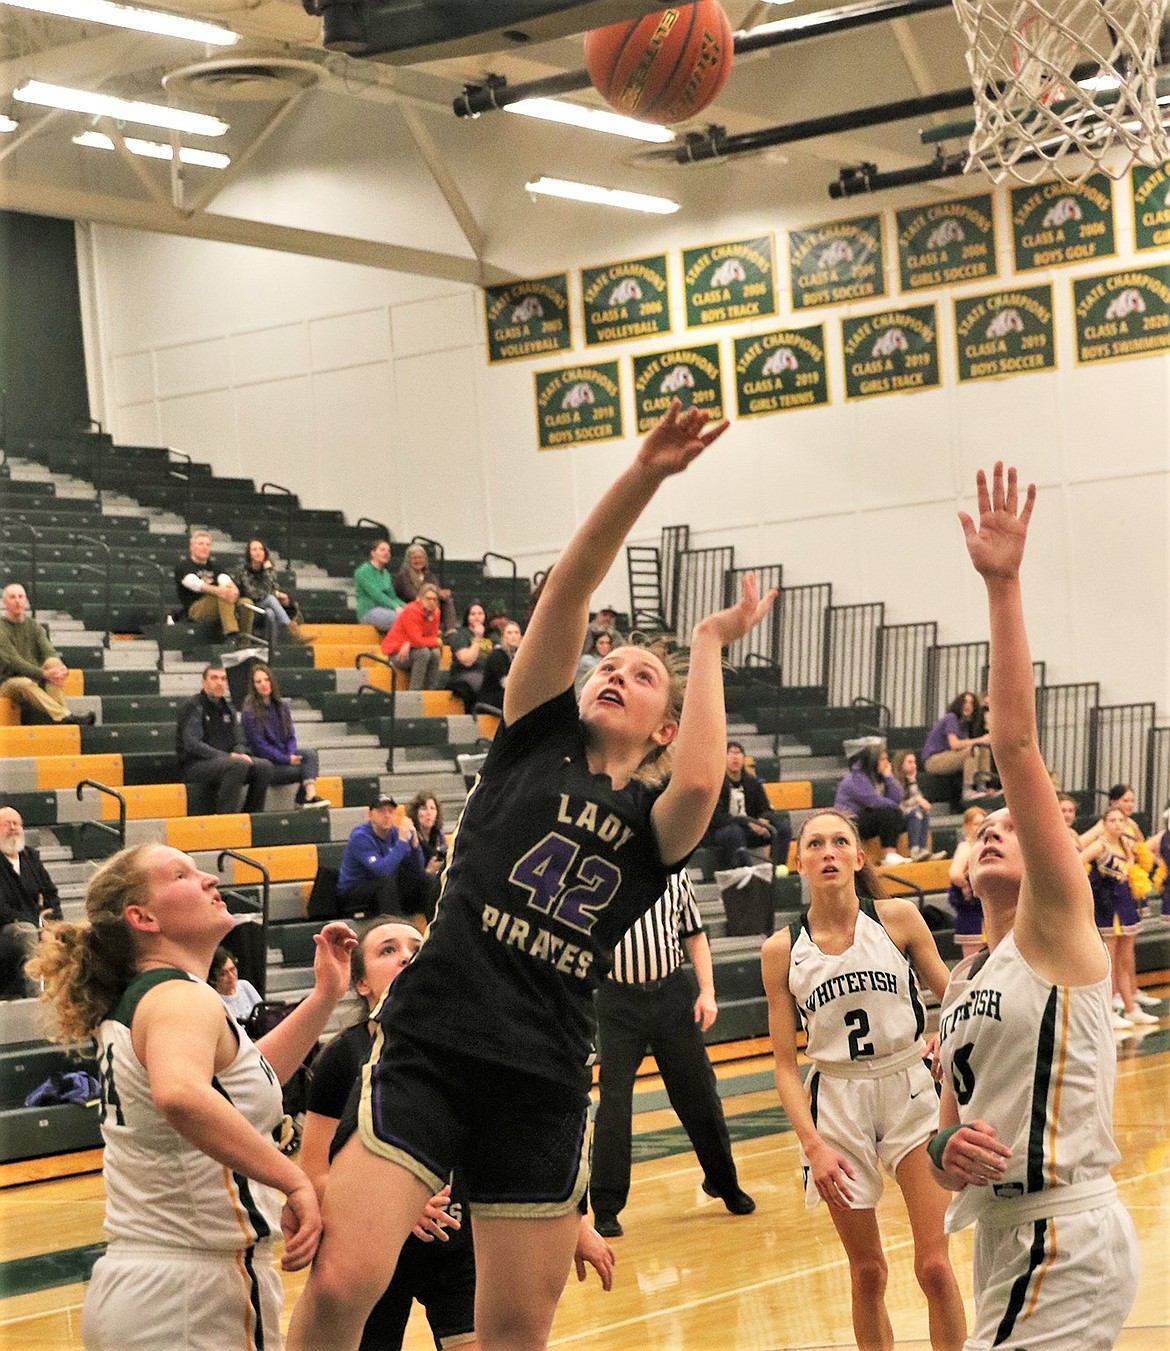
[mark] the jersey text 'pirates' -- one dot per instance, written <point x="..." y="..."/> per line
<point x="160" y="1189"/>
<point x="1036" y="1061"/>
<point x="550" y="866"/>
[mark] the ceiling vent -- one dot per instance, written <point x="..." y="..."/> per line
<point x="243" y="79"/>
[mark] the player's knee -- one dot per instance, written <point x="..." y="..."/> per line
<point x="348" y="1283"/>
<point x="869" y="1275"/>
<point x="933" y="1273"/>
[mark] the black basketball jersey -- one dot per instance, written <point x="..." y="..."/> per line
<point x="550" y="867"/>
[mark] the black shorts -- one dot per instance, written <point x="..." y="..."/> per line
<point x="441" y="1276"/>
<point x="520" y="1141"/>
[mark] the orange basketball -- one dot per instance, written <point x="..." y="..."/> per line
<point x="664" y="67"/>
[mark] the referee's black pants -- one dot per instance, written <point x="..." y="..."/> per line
<point x="631" y="1020"/>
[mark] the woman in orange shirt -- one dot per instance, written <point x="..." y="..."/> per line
<point x="413" y="640"/>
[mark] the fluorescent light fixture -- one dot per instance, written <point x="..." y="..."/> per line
<point x="1100" y="83"/>
<point x="7" y="124"/>
<point x="590" y="192"/>
<point x="121" y="110"/>
<point x="209" y="159"/>
<point x="127" y="16"/>
<point x="800" y="22"/>
<point x="591" y="119"/>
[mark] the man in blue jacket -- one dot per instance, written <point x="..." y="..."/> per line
<point x="383" y="864"/>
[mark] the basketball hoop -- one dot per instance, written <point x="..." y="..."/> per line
<point x="1065" y="86"/>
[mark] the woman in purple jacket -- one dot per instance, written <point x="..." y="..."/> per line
<point x="269" y="735"/>
<point x="871" y="795"/>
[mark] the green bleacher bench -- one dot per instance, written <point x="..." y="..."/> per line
<point x="36" y="809"/>
<point x="739" y="1020"/>
<point x="331" y="854"/>
<point x="34" y="1132"/>
<point x="295" y="827"/>
<point x="131" y="708"/>
<point x="128" y="738"/>
<point x="824" y="792"/>
<point x="27" y="1066"/>
<point x="413" y="731"/>
<point x="152" y="767"/>
<point x="121" y="682"/>
<point x="80" y="658"/>
<point x="364" y="708"/>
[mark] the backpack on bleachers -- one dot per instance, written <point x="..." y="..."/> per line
<point x="323" y="902"/>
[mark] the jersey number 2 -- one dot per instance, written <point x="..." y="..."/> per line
<point x="857" y="1020"/>
<point x="542" y="873"/>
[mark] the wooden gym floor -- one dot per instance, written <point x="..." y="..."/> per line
<point x="689" y="1276"/>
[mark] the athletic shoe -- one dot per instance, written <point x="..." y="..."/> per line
<point x="738" y="1202"/>
<point x="939" y="853"/>
<point x="1136" y="1015"/>
<point x="608" y="1226"/>
<point x="892" y="859"/>
<point x="918" y="854"/>
<point x="1147" y="1001"/>
<point x="315" y="802"/>
<point x="1121" y="1023"/>
<point x="1119" y="1003"/>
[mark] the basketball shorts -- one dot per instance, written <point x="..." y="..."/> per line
<point x="1060" y="1284"/>
<point x="871" y="1122"/>
<point x="142" y="1297"/>
<point x="443" y="1282"/>
<point x="520" y="1141"/>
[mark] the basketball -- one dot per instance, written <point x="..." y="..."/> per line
<point x="664" y="67"/>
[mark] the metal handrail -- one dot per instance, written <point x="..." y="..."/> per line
<point x="269" y="626"/>
<point x="883" y="710"/>
<point x="384" y="661"/>
<point x="34" y="535"/>
<point x="184" y="474"/>
<point x="290" y="500"/>
<point x="504" y="558"/>
<point x="383" y="528"/>
<point x="101" y="544"/>
<point x="919" y="893"/>
<point x="265" y="886"/>
<point x="120" y="829"/>
<point x="768" y="663"/>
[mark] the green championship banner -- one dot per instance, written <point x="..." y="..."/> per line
<point x="690" y="374"/>
<point x="891" y="353"/>
<point x="625" y="300"/>
<point x="527" y="318"/>
<point x="1122" y="314"/>
<point x="1005" y="332"/>
<point x="836" y="262"/>
<point x="578" y="403"/>
<point x="946" y="242"/>
<point x="728" y="282"/>
<point x="1055" y="223"/>
<point x="775" y="372"/>
<point x="1151" y="205"/>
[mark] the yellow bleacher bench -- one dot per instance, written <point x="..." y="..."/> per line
<point x="47" y="739"/>
<point x="148" y="801"/>
<point x="228" y="831"/>
<point x="285" y="863"/>
<point x="789" y="796"/>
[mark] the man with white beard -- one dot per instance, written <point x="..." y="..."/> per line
<point x="27" y="894"/>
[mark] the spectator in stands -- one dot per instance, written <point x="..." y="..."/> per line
<point x="211" y="750"/>
<point x="470" y="646"/>
<point x="31" y="672"/>
<point x="206" y="592"/>
<point x="374" y="597"/>
<point x="426" y="813"/>
<point x="414" y="574"/>
<point x="240" y="996"/>
<point x="383" y="864"/>
<point x="258" y="583"/>
<point x="413" y="640"/>
<point x="497" y="666"/>
<point x="967" y="906"/>
<point x="604" y="621"/>
<point x="193" y="1180"/>
<point x="602" y="647"/>
<point x="27" y="895"/>
<point x="952" y="749"/>
<point x="743" y="818"/>
<point x="269" y="735"/>
<point x="873" y="797"/>
<point x="915" y="807"/>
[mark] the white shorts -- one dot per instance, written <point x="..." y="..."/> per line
<point x="1061" y="1284"/>
<point x="147" y="1298"/>
<point x="871" y="1122"/>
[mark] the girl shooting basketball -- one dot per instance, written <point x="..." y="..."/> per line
<point x="480" y="1054"/>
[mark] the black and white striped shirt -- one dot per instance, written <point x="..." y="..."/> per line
<point x="652" y="949"/>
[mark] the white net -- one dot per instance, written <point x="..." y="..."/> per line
<point x="1065" y="86"/>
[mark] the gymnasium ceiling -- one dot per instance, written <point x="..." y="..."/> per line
<point x="365" y="160"/>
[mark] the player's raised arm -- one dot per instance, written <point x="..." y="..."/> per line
<point x="547" y="661"/>
<point x="1054" y="915"/>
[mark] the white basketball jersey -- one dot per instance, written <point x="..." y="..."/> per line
<point x="860" y="1006"/>
<point x="160" y="1189"/>
<point x="1036" y="1060"/>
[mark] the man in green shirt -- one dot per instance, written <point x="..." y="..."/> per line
<point x="31" y="672"/>
<point x="375" y="599"/>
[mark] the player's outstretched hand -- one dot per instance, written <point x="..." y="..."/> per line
<point x="300" y="1223"/>
<point x="731" y="624"/>
<point x="996" y="544"/>
<point x="331" y="958"/>
<point x="436" y="1219"/>
<point x="594" y="1251"/>
<point x="681" y="436"/>
<point x="976" y="1154"/>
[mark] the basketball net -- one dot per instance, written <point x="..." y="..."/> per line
<point x="1032" y="118"/>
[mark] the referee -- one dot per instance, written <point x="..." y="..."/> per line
<point x="646" y="1004"/>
